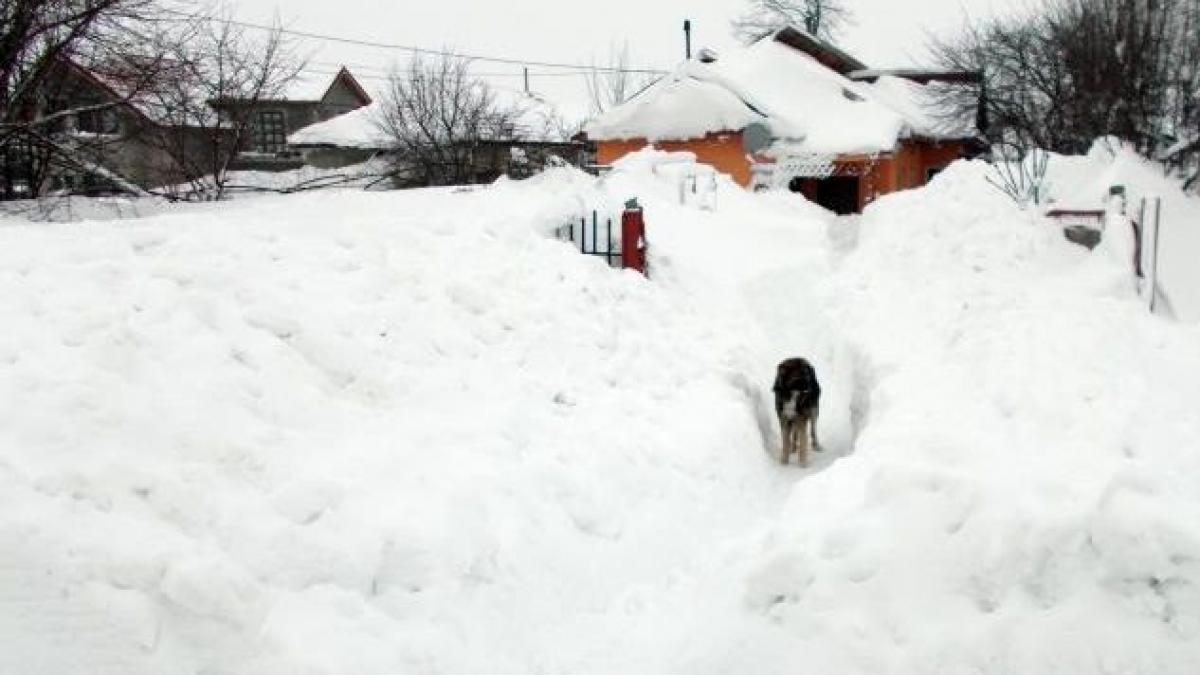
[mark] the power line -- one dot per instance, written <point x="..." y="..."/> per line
<point x="427" y="51"/>
<point x="385" y="72"/>
<point x="379" y="77"/>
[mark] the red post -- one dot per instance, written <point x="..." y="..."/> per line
<point x="633" y="237"/>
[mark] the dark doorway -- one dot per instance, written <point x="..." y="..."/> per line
<point x="839" y="194"/>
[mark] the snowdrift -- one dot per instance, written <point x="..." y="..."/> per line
<point x="1023" y="494"/>
<point x="410" y="432"/>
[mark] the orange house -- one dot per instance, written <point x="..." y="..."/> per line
<point x="793" y="112"/>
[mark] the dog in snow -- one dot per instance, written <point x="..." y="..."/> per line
<point x="797" y="402"/>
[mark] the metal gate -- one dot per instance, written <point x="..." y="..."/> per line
<point x="593" y="238"/>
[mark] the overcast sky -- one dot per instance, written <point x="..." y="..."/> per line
<point x="885" y="32"/>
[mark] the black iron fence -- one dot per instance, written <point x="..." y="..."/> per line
<point x="594" y="238"/>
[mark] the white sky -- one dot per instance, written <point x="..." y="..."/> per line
<point x="885" y="33"/>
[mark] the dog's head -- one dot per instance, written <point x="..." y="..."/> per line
<point x="795" y="375"/>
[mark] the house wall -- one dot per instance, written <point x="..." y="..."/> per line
<point x="906" y="167"/>
<point x="339" y="99"/>
<point x="723" y="151"/>
<point x="136" y="149"/>
<point x="336" y="158"/>
<point x="915" y="159"/>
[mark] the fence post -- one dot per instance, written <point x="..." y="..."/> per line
<point x="633" y="237"/>
<point x="608" y="251"/>
<point x="1151" y="247"/>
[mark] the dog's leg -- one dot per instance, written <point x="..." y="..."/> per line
<point x="816" y="412"/>
<point x="783" y="441"/>
<point x="789" y="441"/>
<point x="801" y="442"/>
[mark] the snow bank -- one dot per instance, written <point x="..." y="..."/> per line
<point x="1024" y="493"/>
<point x="349" y="431"/>
<point x="1084" y="181"/>
<point x="409" y="432"/>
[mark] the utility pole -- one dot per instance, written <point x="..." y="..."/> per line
<point x="687" y="38"/>
<point x="526" y="79"/>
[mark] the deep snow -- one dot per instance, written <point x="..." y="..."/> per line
<point x="409" y="432"/>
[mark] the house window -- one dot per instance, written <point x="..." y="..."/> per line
<point x="270" y="135"/>
<point x="102" y="121"/>
<point x="16" y="170"/>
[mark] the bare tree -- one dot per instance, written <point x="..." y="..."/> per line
<point x="611" y="85"/>
<point x="218" y="76"/>
<point x="39" y="41"/>
<point x="1077" y="70"/>
<point x="437" y="115"/>
<point x="823" y="18"/>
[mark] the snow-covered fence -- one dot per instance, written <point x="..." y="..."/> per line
<point x="698" y="186"/>
<point x="1138" y="234"/>
<point x="1147" y="227"/>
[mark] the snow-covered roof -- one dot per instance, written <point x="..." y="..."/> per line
<point x="537" y="120"/>
<point x="676" y="107"/>
<point x="807" y="105"/>
<point x="355" y="129"/>
<point x="161" y="105"/>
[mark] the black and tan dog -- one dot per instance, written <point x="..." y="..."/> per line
<point x="797" y="402"/>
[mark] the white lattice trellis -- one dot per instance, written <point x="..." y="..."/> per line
<point x="804" y="166"/>
<point x="779" y="175"/>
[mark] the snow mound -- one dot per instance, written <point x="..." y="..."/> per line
<point x="368" y="432"/>
<point x="1024" y="495"/>
<point x="410" y="432"/>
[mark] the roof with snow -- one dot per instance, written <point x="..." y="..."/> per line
<point x="537" y="120"/>
<point x="131" y="83"/>
<point x="806" y="100"/>
<point x="355" y="129"/>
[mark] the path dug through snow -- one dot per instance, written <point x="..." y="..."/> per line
<point x="407" y="432"/>
<point x="1024" y="496"/>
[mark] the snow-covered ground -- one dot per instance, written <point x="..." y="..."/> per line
<point x="349" y="432"/>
